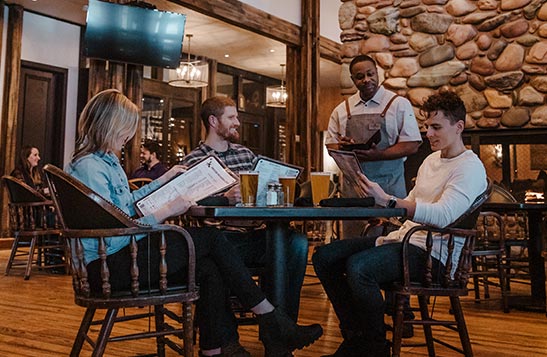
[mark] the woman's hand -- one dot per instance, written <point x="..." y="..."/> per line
<point x="233" y="195"/>
<point x="173" y="209"/>
<point x="372" y="189"/>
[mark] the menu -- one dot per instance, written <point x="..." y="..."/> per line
<point x="206" y="177"/>
<point x="349" y="165"/>
<point x="270" y="170"/>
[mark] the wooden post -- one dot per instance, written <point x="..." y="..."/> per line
<point x="10" y="100"/>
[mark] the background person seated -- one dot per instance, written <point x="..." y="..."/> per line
<point x="27" y="169"/>
<point x="152" y="167"/>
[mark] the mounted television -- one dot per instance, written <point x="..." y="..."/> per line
<point x="132" y="34"/>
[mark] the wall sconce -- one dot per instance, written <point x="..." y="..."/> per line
<point x="190" y="74"/>
<point x="276" y="96"/>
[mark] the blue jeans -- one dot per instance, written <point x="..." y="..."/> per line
<point x="352" y="271"/>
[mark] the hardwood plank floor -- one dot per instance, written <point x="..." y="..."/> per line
<point x="38" y="317"/>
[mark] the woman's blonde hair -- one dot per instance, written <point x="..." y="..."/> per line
<point x="105" y="117"/>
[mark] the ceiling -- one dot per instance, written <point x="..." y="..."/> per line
<point x="211" y="38"/>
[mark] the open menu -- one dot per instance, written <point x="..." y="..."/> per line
<point x="205" y="178"/>
<point x="270" y="170"/>
<point x="349" y="165"/>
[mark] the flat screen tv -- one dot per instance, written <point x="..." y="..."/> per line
<point x="131" y="34"/>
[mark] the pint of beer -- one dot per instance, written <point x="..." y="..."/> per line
<point x="249" y="184"/>
<point x="319" y="186"/>
<point x="289" y="186"/>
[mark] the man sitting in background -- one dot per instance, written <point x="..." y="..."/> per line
<point x="152" y="167"/>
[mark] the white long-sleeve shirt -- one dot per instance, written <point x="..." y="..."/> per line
<point x="444" y="190"/>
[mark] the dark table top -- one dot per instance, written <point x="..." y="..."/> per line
<point x="515" y="206"/>
<point x="294" y="213"/>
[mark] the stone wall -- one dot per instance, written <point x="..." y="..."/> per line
<point x="492" y="53"/>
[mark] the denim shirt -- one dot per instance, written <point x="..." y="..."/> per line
<point x="103" y="173"/>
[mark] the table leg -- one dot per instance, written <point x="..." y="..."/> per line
<point x="536" y="260"/>
<point x="275" y="281"/>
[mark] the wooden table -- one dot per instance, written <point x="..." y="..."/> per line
<point x="277" y="220"/>
<point x="536" y="233"/>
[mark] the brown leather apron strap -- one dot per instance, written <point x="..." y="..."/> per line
<point x="388" y="105"/>
<point x="347" y="108"/>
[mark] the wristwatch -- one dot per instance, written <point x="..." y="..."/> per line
<point x="392" y="202"/>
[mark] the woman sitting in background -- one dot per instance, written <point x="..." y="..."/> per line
<point x="27" y="169"/>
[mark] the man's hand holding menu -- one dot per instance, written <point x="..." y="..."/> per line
<point x="201" y="180"/>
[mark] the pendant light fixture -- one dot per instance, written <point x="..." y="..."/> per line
<point x="276" y="96"/>
<point x="190" y="74"/>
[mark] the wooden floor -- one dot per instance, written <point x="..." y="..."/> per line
<point x="39" y="318"/>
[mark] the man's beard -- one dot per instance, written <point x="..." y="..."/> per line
<point x="231" y="135"/>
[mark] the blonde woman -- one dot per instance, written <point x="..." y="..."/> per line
<point x="107" y="122"/>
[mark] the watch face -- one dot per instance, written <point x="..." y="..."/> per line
<point x="392" y="202"/>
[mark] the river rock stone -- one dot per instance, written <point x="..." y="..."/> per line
<point x="404" y="67"/>
<point x="515" y="117"/>
<point x="460" y="7"/>
<point x="528" y="96"/>
<point x="346" y="15"/>
<point x="460" y="34"/>
<point x="482" y="65"/>
<point x="539" y="116"/>
<point x="477" y="82"/>
<point x="376" y="43"/>
<point x="421" y="41"/>
<point x="496" y="49"/>
<point x="505" y="81"/>
<point x="478" y="17"/>
<point x="384" y="59"/>
<point x="539" y="83"/>
<point x="484" y="41"/>
<point x="542" y="13"/>
<point x="497" y="100"/>
<point x="542" y="30"/>
<point x="431" y="23"/>
<point x="436" y="55"/>
<point x="494" y="22"/>
<point x="467" y="51"/>
<point x="412" y="11"/>
<point x="534" y="69"/>
<point x="514" y="28"/>
<point x="511" y="58"/>
<point x="513" y="4"/>
<point x="528" y="40"/>
<point x="405" y="4"/>
<point x="434" y="2"/>
<point x="488" y="123"/>
<point x="538" y="53"/>
<point x="485" y="5"/>
<point x="398" y="38"/>
<point x="350" y="49"/>
<point x="530" y="10"/>
<point x="474" y="101"/>
<point x="384" y="21"/>
<point x="395" y="83"/>
<point x="492" y="113"/>
<point x="417" y="96"/>
<point x="436" y="76"/>
<point x="459" y="79"/>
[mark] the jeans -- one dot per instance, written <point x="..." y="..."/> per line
<point x="352" y="271"/>
<point x="219" y="270"/>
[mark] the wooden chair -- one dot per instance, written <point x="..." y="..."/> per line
<point x="488" y="256"/>
<point x="34" y="226"/>
<point x="441" y="284"/>
<point x="103" y="219"/>
<point x="136" y="183"/>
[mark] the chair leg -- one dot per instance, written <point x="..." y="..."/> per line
<point x="398" y="325"/>
<point x="462" y="328"/>
<point x="104" y="334"/>
<point x="30" y="256"/>
<point x="188" y="326"/>
<point x="82" y="332"/>
<point x="476" y="287"/>
<point x="12" y="254"/>
<point x="160" y="326"/>
<point x="424" y="312"/>
<point x="503" y="284"/>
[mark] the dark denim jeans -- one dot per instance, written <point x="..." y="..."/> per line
<point x="219" y="270"/>
<point x="352" y="271"/>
